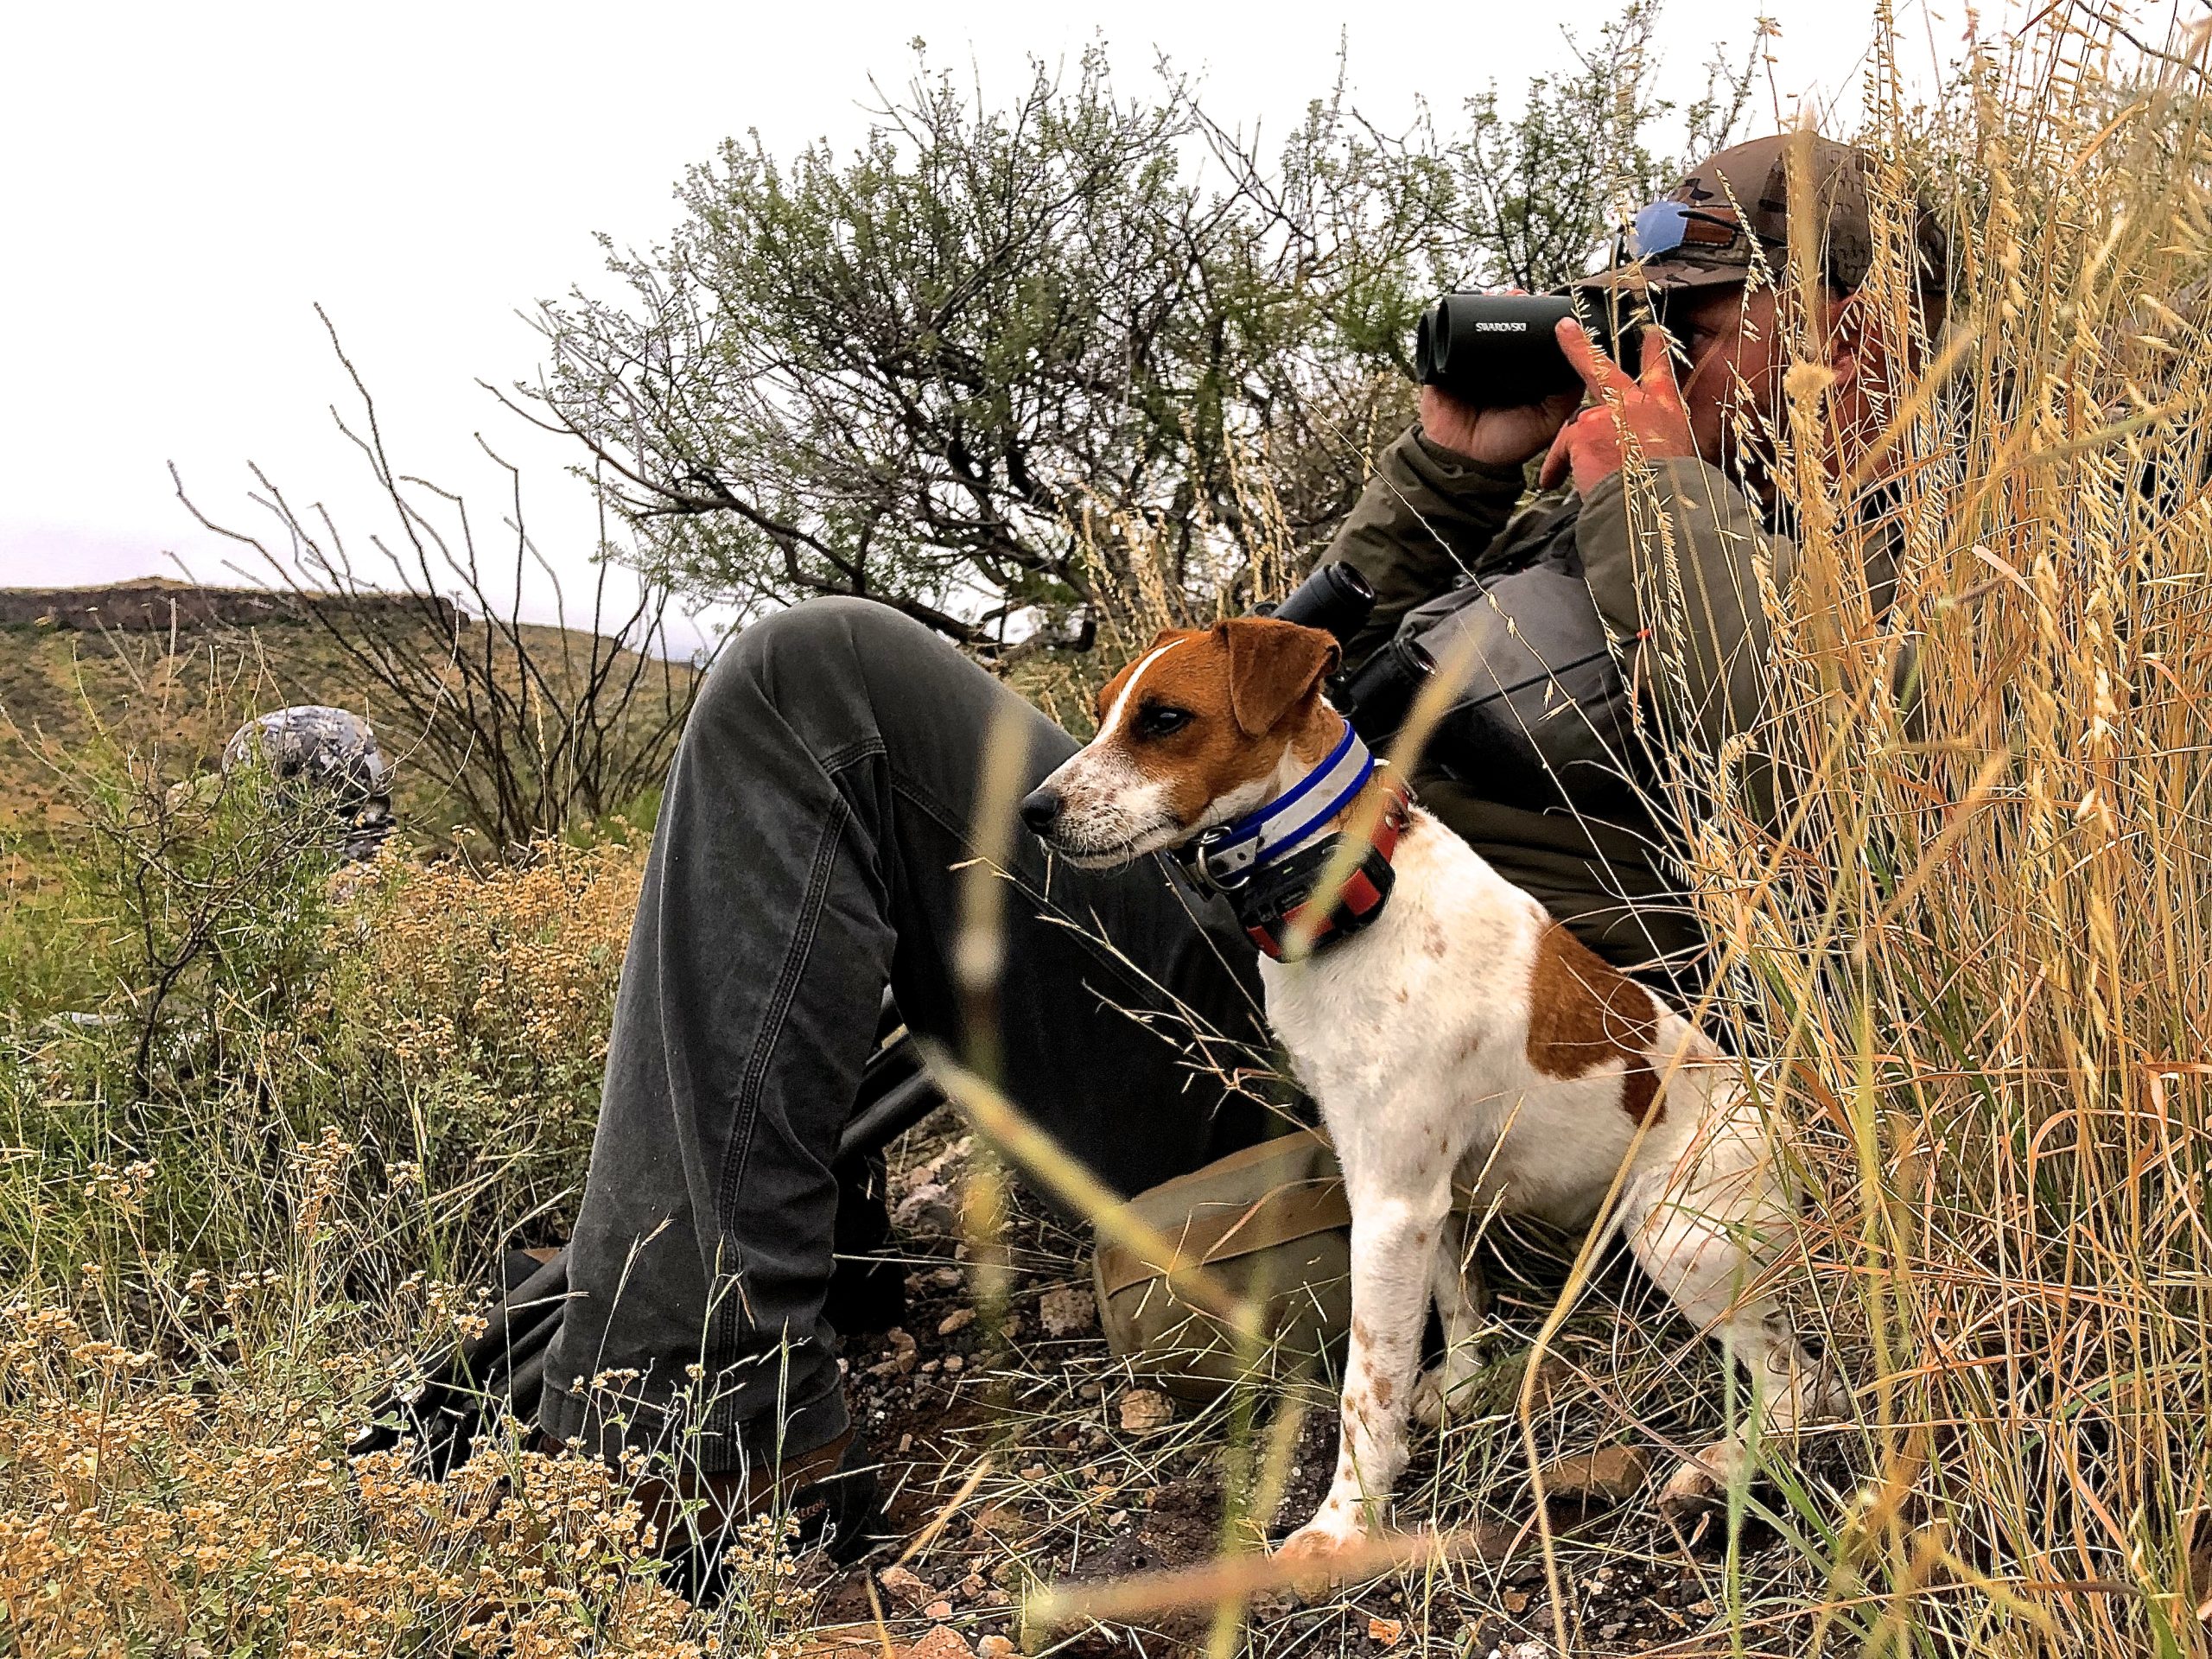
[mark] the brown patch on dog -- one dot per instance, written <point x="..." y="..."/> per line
<point x="1360" y="1333"/>
<point x="1584" y="1012"/>
<point x="1385" y="1390"/>
<point x="1434" y="943"/>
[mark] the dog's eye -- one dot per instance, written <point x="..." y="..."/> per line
<point x="1157" y="720"/>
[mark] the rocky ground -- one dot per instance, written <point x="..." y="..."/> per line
<point x="1046" y="1462"/>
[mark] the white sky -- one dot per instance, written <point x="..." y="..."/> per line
<point x="180" y="184"/>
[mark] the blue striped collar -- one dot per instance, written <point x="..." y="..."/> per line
<point x="1227" y="856"/>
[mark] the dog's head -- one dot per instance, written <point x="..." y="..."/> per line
<point x="1207" y="724"/>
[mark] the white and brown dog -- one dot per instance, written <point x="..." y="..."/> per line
<point x="1455" y="1037"/>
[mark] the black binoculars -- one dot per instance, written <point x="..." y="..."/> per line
<point x="1499" y="351"/>
<point x="1338" y="599"/>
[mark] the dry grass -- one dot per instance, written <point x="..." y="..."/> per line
<point x="1978" y="948"/>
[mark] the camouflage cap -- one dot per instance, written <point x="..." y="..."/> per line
<point x="1731" y="217"/>
<point x="332" y="748"/>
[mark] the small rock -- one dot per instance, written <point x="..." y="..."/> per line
<point x="1614" y="1631"/>
<point x="959" y="1319"/>
<point x="900" y="1360"/>
<point x="1612" y="1474"/>
<point x="1035" y="1471"/>
<point x="1092" y="1391"/>
<point x="948" y="1278"/>
<point x="974" y="1585"/>
<point x="994" y="1647"/>
<point x="1384" y="1632"/>
<point x="942" y="1642"/>
<point x="938" y="1610"/>
<point x="1143" y="1410"/>
<point x="999" y="1520"/>
<point x="946" y="1159"/>
<point x="1528" y="1650"/>
<point x="1067" y="1311"/>
<point x="905" y="1588"/>
<point x="905" y="1444"/>
<point x="955" y="1362"/>
<point x="1516" y="1601"/>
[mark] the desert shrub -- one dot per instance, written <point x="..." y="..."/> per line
<point x="467" y="1014"/>
<point x="528" y="730"/>
<point x="918" y="372"/>
<point x="138" y="1516"/>
<point x="240" y="993"/>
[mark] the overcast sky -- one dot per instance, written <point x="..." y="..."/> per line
<point x="183" y="183"/>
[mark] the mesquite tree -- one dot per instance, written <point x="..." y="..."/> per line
<point x="968" y="368"/>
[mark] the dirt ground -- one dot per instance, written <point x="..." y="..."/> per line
<point x="1092" y="1475"/>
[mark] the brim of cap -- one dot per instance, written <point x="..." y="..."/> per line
<point x="1662" y="276"/>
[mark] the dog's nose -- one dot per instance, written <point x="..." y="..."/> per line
<point x="1041" y="810"/>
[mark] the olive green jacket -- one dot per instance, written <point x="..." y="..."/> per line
<point x="1694" y="649"/>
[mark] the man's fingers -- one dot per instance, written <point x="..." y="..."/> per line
<point x="1599" y="372"/>
<point x="1658" y="361"/>
<point x="1558" y="458"/>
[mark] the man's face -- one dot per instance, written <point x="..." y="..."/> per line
<point x="1732" y="387"/>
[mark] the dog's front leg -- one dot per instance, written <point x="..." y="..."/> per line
<point x="1392" y="1240"/>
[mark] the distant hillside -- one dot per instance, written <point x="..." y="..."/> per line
<point x="171" y="669"/>
<point x="159" y="604"/>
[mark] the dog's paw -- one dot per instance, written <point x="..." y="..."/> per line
<point x="1698" y="1489"/>
<point x="1320" y="1553"/>
<point x="1426" y="1404"/>
<point x="1440" y="1391"/>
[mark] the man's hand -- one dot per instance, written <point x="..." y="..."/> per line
<point x="1496" y="437"/>
<point x="1650" y="408"/>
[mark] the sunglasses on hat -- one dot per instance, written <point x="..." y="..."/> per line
<point x="1670" y="227"/>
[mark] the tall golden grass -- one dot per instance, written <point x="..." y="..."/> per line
<point x="1974" y="952"/>
<point x="1979" y="945"/>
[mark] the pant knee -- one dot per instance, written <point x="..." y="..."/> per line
<point x="813" y="656"/>
<point x="820" y="637"/>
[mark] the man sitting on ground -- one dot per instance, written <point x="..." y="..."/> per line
<point x="821" y="800"/>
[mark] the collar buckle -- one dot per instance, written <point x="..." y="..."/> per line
<point x="1226" y="857"/>
<point x="1219" y="866"/>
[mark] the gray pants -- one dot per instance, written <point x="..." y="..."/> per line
<point x="805" y="858"/>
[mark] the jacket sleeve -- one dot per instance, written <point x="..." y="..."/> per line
<point x="1675" y="572"/>
<point x="1425" y="516"/>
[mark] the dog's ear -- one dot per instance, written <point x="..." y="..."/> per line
<point x="1273" y="668"/>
